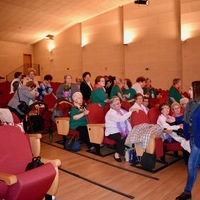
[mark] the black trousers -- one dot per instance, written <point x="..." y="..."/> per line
<point x="84" y="136"/>
<point x="120" y="142"/>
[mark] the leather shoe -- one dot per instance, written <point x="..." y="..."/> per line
<point x="118" y="159"/>
<point x="184" y="196"/>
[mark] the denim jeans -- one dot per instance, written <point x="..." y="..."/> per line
<point x="193" y="164"/>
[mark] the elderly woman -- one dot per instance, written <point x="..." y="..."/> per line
<point x="98" y="94"/>
<point x="117" y="126"/>
<point x="78" y="119"/>
<point x="23" y="93"/>
<point x="67" y="89"/>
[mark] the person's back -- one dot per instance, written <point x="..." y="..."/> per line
<point x="16" y="83"/>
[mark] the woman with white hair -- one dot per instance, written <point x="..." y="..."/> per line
<point x="78" y="119"/>
<point x="117" y="126"/>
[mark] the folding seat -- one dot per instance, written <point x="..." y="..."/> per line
<point x="125" y="105"/>
<point x="96" y="126"/>
<point x="15" y="182"/>
<point x="153" y="115"/>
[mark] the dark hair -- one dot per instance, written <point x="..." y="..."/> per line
<point x="17" y="74"/>
<point x="128" y="82"/>
<point x="85" y="74"/>
<point x="176" y="80"/>
<point x="196" y="91"/>
<point x="162" y="105"/>
<point x="98" y="78"/>
<point x="140" y="79"/>
<point x="48" y="77"/>
<point x="138" y="95"/>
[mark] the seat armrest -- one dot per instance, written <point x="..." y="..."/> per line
<point x="35" y="143"/>
<point x="55" y="162"/>
<point x="9" y="179"/>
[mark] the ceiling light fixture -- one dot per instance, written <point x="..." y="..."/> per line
<point x="50" y="37"/>
<point x="144" y="2"/>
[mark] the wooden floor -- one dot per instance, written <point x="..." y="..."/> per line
<point x="84" y="176"/>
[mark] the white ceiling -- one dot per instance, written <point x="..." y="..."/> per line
<point x="28" y="21"/>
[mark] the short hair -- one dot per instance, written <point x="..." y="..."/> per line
<point x="184" y="100"/>
<point x="128" y="82"/>
<point x="17" y="74"/>
<point x="85" y="74"/>
<point x="31" y="70"/>
<point x="162" y="105"/>
<point x="175" y="104"/>
<point x="76" y="95"/>
<point x="140" y="79"/>
<point x="48" y="77"/>
<point x="112" y="100"/>
<point x="176" y="81"/>
<point x="98" y="78"/>
<point x="138" y="95"/>
<point x="65" y="76"/>
<point x="31" y="84"/>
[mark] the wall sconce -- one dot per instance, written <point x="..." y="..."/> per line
<point x="84" y="41"/>
<point x="185" y="33"/>
<point x="128" y="37"/>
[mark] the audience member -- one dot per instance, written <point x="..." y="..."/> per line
<point x="146" y="103"/>
<point x="192" y="119"/>
<point x="138" y="105"/>
<point x="45" y="87"/>
<point x="167" y="123"/>
<point x="31" y="77"/>
<point x="140" y="83"/>
<point x="66" y="90"/>
<point x="128" y="91"/>
<point x="98" y="94"/>
<point x="117" y="126"/>
<point x="177" y="112"/>
<point x="183" y="102"/>
<point x="117" y="89"/>
<point x="22" y="94"/>
<point x="86" y="86"/>
<point x="78" y="119"/>
<point x="175" y="92"/>
<point x="16" y="83"/>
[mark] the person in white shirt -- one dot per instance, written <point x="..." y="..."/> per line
<point x="117" y="125"/>
<point x="138" y="105"/>
<point x="140" y="83"/>
<point x="166" y="121"/>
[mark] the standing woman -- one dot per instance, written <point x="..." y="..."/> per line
<point x="192" y="119"/>
<point x="86" y="87"/>
<point x="25" y="94"/>
<point x="99" y="95"/>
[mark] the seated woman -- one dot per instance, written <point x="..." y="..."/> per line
<point x="45" y="87"/>
<point x="117" y="90"/>
<point x="128" y="91"/>
<point x="78" y="119"/>
<point x="166" y="121"/>
<point x="177" y="112"/>
<point x="98" y="94"/>
<point x="138" y="105"/>
<point x="66" y="90"/>
<point x="117" y="126"/>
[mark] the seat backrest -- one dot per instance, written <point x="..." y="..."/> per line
<point x="63" y="107"/>
<point x="125" y="105"/>
<point x="15" y="150"/>
<point x="96" y="114"/>
<point x="153" y="115"/>
<point x="50" y="100"/>
<point x="38" y="108"/>
<point x="139" y="118"/>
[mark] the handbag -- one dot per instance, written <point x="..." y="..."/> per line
<point x="72" y="144"/>
<point x="36" y="162"/>
<point x="148" y="161"/>
<point x="23" y="107"/>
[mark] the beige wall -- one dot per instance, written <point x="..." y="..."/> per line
<point x="11" y="56"/>
<point x="156" y="45"/>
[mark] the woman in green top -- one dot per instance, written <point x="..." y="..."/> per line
<point x="98" y="94"/>
<point x="117" y="90"/>
<point x="128" y="92"/>
<point x="78" y="119"/>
